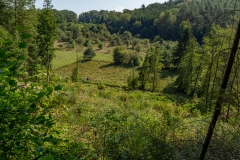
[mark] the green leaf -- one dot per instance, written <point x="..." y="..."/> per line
<point x="41" y="94"/>
<point x="26" y="36"/>
<point x="8" y="42"/>
<point x="2" y="52"/>
<point x="22" y="45"/>
<point x="36" y="141"/>
<point x="12" y="83"/>
<point x="33" y="106"/>
<point x="13" y="68"/>
<point x="48" y="157"/>
<point x="6" y="149"/>
<point x="58" y="87"/>
<point x="25" y="118"/>
<point x="3" y="156"/>
<point x="11" y="125"/>
<point x="19" y="29"/>
<point x="21" y="58"/>
<point x="50" y="89"/>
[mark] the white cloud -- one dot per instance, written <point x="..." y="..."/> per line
<point x="119" y="9"/>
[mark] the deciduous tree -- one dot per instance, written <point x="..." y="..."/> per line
<point x="46" y="34"/>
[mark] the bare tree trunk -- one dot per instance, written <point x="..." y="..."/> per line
<point x="199" y="71"/>
<point x="230" y="94"/>
<point x="154" y="84"/>
<point x="207" y="81"/>
<point x="48" y="66"/>
<point x="237" y="94"/>
<point x="218" y="105"/>
<point x="214" y="82"/>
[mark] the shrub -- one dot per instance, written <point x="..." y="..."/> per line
<point x="89" y="54"/>
<point x="118" y="55"/>
<point x="80" y="40"/>
<point x="135" y="41"/>
<point x="87" y="43"/>
<point x="101" y="87"/>
<point x="138" y="47"/>
<point x="122" y="57"/>
<point x="134" y="59"/>
<point x="100" y="45"/>
<point x="60" y="45"/>
<point x="133" y="83"/>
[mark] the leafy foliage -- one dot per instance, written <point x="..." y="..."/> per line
<point x="123" y="57"/>
<point x="46" y="36"/>
<point x="26" y="119"/>
<point x="89" y="54"/>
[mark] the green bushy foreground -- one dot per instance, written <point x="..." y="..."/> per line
<point x="100" y="122"/>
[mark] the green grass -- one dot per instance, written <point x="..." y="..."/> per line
<point x="98" y="71"/>
<point x="107" y="73"/>
<point x="63" y="57"/>
<point x="114" y="121"/>
<point x="101" y="69"/>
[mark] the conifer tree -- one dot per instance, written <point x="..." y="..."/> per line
<point x="18" y="13"/>
<point x="188" y="68"/>
<point x="186" y="35"/>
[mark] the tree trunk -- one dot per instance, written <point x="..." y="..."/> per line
<point x="133" y="74"/>
<point x="224" y="83"/>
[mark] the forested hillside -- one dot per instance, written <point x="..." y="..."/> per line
<point x="157" y="82"/>
<point x="164" y="19"/>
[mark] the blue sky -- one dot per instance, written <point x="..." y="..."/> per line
<point x="80" y="6"/>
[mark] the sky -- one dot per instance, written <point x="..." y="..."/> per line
<point x="80" y="6"/>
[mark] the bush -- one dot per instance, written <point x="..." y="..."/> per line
<point x="100" y="45"/>
<point x="80" y="40"/>
<point x="138" y="47"/>
<point x="122" y="57"/>
<point x="134" y="59"/>
<point x="72" y="44"/>
<point x="133" y="83"/>
<point x="118" y="55"/>
<point x="135" y="41"/>
<point x="60" y="45"/>
<point x="89" y="54"/>
<point x="101" y="87"/>
<point x="87" y="43"/>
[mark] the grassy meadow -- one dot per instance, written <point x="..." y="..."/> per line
<point x="98" y="71"/>
<point x="113" y="123"/>
<point x="64" y="57"/>
<point x="103" y="119"/>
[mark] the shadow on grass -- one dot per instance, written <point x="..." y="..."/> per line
<point x="114" y="65"/>
<point x="108" y="65"/>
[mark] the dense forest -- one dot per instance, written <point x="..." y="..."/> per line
<point x="156" y="82"/>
